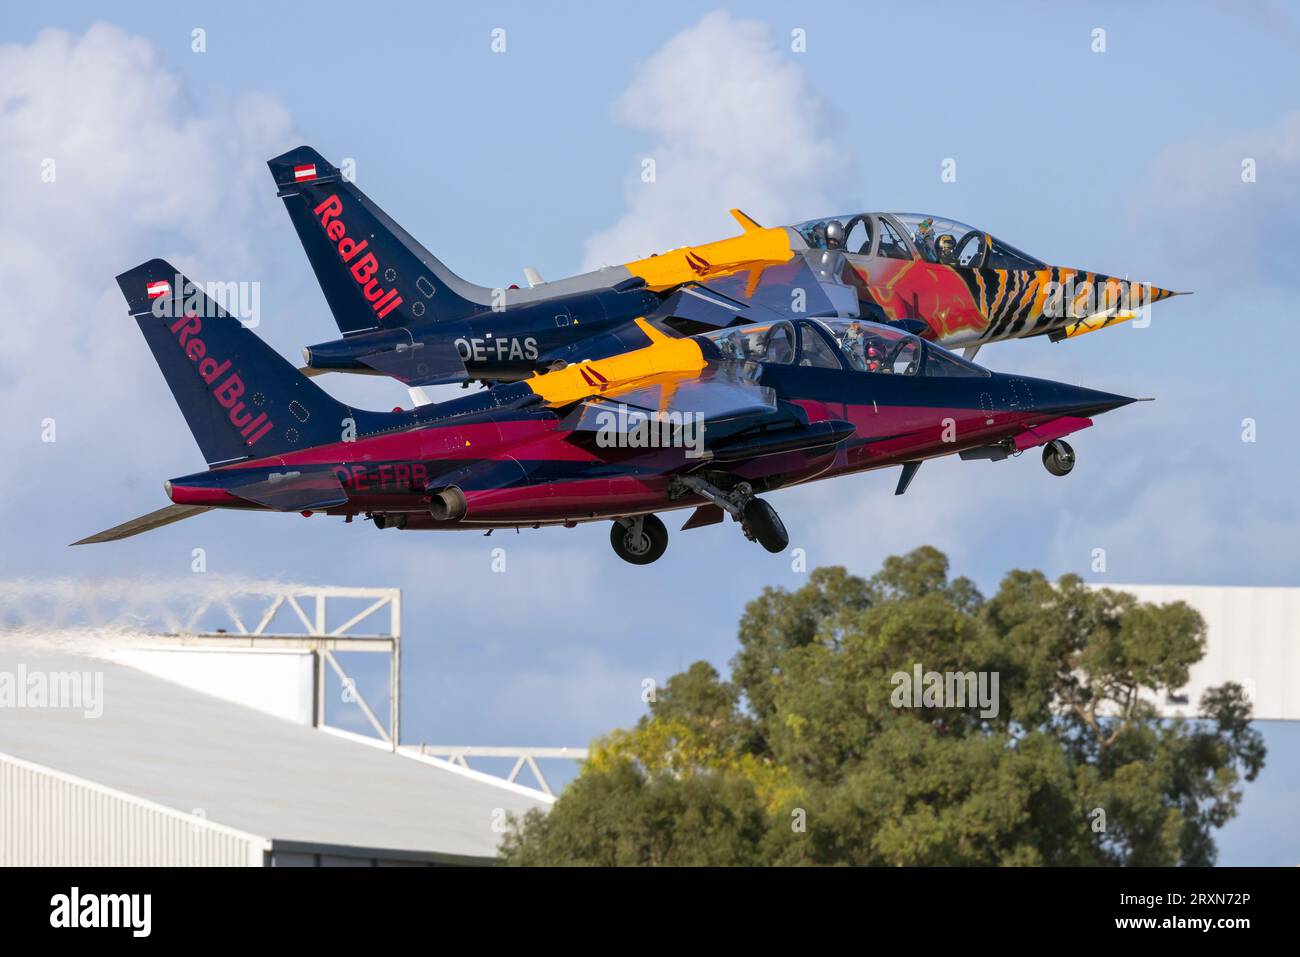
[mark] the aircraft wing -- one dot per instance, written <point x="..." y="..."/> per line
<point x="720" y="393"/>
<point x="759" y="292"/>
<point x="724" y="408"/>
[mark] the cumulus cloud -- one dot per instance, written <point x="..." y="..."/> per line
<point x="1205" y="213"/>
<point x="734" y="123"/>
<point x="105" y="161"/>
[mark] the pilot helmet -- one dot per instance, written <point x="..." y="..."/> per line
<point x="834" y="234"/>
<point x="946" y="243"/>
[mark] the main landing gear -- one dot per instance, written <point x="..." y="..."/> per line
<point x="640" y="540"/>
<point x="1058" y="457"/>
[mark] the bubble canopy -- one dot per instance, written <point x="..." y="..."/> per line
<point x="933" y="239"/>
<point x="853" y="345"/>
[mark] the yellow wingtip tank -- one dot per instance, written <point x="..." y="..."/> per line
<point x="665" y="354"/>
<point x="756" y="244"/>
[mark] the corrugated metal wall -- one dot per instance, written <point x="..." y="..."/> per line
<point x="48" y="818"/>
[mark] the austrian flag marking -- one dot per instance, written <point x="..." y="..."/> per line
<point x="304" y="172"/>
<point x="157" y="289"/>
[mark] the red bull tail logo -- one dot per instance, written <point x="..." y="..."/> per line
<point x="186" y="329"/>
<point x="364" y="269"/>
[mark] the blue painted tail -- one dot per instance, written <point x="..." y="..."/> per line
<point x="238" y="396"/>
<point x="373" y="272"/>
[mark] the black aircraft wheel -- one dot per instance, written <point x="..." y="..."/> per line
<point x="1058" y="457"/>
<point x="639" y="541"/>
<point x="765" y="525"/>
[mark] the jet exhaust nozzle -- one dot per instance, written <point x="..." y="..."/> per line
<point x="448" y="504"/>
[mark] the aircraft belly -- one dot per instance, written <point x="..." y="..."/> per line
<point x="576" y="499"/>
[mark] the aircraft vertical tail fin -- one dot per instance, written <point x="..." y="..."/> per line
<point x="239" y="397"/>
<point x="373" y="273"/>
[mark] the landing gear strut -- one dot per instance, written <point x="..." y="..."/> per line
<point x="1058" y="457"/>
<point x="640" y="540"/>
<point x="762" y="524"/>
<point x="758" y="520"/>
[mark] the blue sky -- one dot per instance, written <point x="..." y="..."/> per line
<point x="1127" y="161"/>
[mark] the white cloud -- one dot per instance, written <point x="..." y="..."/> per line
<point x="1205" y="213"/>
<point x="138" y="171"/>
<point x="734" y="124"/>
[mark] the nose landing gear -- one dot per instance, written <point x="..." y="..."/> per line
<point x="1058" y="457"/>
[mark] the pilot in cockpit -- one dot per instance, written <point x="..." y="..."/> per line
<point x="924" y="239"/>
<point x="875" y="356"/>
<point x="946" y="249"/>
<point x="834" y="234"/>
<point x="732" y="346"/>
<point x="854" y="344"/>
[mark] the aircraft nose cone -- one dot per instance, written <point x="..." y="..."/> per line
<point x="1061" y="398"/>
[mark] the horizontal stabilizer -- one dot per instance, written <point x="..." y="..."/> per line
<point x="146" y="523"/>
<point x="293" y="490"/>
<point x="423" y="363"/>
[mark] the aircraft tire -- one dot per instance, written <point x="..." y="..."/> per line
<point x="642" y="549"/>
<point x="765" y="525"/>
<point x="1058" y="457"/>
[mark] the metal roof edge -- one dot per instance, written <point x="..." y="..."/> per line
<point x="406" y="752"/>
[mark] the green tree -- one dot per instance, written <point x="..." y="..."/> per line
<point x="809" y="756"/>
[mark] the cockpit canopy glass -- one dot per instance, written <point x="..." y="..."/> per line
<point x="850" y="233"/>
<point x="936" y="239"/>
<point x="756" y="342"/>
<point x="863" y="347"/>
<point x="872" y="347"/>
<point x="950" y="243"/>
